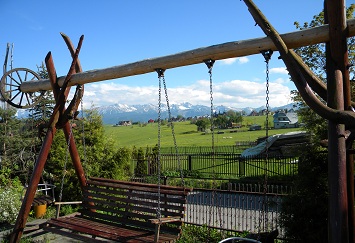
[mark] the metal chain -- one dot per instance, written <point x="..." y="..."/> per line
<point x="173" y="132"/>
<point x="264" y="218"/>
<point x="209" y="63"/>
<point x="160" y="75"/>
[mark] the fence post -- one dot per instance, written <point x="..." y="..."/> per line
<point x="241" y="167"/>
<point x="190" y="162"/>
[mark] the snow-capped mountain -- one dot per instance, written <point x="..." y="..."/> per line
<point x="112" y="114"/>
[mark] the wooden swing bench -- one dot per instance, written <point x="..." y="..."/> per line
<point x="44" y="195"/>
<point x="124" y="211"/>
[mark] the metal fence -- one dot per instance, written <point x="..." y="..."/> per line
<point x="234" y="207"/>
<point x="244" y="208"/>
<point x="226" y="165"/>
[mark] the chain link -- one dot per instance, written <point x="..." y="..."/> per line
<point x="263" y="219"/>
<point x="209" y="63"/>
<point x="173" y="133"/>
<point x="160" y="75"/>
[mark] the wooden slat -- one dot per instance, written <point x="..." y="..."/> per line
<point x="165" y="202"/>
<point x="122" y="234"/>
<point x="138" y="184"/>
<point x="136" y="188"/>
<point x="137" y="213"/>
<point x="122" y="196"/>
<point x="172" y="228"/>
<point x="42" y="200"/>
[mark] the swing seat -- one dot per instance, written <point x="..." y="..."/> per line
<point x="125" y="212"/>
<point x="44" y="195"/>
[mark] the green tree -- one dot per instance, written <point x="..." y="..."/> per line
<point x="16" y="155"/>
<point x="141" y="168"/>
<point x="202" y="124"/>
<point x="98" y="155"/>
<point x="221" y="121"/>
<point x="314" y="57"/>
<point x="234" y="116"/>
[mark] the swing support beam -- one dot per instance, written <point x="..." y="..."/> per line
<point x="216" y="52"/>
<point x="58" y="119"/>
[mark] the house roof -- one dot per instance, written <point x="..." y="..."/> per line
<point x="292" y="117"/>
<point x="286" y="138"/>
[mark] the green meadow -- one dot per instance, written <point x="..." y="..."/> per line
<point x="187" y="135"/>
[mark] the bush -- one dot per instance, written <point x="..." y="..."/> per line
<point x="10" y="204"/>
<point x="304" y="213"/>
<point x="202" y="234"/>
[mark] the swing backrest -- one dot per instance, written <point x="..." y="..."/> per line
<point x="133" y="203"/>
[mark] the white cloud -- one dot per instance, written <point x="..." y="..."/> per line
<point x="235" y="93"/>
<point x="280" y="80"/>
<point x="230" y="61"/>
<point x="281" y="70"/>
<point x="243" y="60"/>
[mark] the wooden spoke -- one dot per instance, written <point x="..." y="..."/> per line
<point x="11" y="88"/>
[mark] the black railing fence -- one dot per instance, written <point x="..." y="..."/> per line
<point x="225" y="164"/>
<point x="184" y="150"/>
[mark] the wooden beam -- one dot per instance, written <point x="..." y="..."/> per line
<point x="216" y="52"/>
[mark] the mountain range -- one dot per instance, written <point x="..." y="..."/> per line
<point x="112" y="114"/>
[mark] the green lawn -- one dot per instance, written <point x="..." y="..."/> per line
<point x="186" y="134"/>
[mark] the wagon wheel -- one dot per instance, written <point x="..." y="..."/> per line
<point x="11" y="88"/>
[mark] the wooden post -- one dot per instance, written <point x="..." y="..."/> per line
<point x="61" y="97"/>
<point x="337" y="58"/>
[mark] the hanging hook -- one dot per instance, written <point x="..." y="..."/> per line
<point x="209" y="63"/>
<point x="160" y="72"/>
<point x="267" y="54"/>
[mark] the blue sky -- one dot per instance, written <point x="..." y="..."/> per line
<point x="119" y="32"/>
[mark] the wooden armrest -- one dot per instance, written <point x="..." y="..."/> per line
<point x="59" y="204"/>
<point x="66" y="203"/>
<point x="165" y="220"/>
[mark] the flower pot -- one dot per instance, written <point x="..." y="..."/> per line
<point x="40" y="210"/>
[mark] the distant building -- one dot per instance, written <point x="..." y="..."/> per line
<point x="253" y="113"/>
<point x="235" y="125"/>
<point x="285" y="120"/>
<point x="124" y="123"/>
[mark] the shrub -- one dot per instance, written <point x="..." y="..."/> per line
<point x="202" y="234"/>
<point x="304" y="213"/>
<point x="10" y="204"/>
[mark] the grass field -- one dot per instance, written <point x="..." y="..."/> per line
<point x="186" y="134"/>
